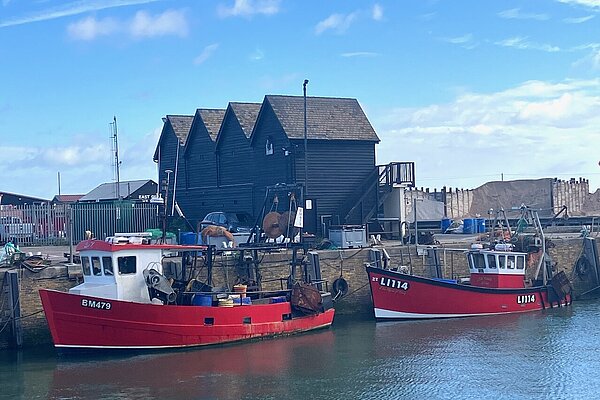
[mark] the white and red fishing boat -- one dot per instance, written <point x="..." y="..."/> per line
<point x="126" y="302"/>
<point x="499" y="282"/>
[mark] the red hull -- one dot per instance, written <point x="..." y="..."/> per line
<point x="400" y="296"/>
<point x="87" y="322"/>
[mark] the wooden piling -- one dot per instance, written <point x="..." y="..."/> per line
<point x="14" y="307"/>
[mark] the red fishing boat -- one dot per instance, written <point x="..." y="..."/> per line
<point x="127" y="302"/>
<point x="498" y="282"/>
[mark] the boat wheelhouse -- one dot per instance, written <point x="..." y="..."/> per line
<point x="500" y="268"/>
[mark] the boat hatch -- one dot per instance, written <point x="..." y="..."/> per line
<point x="497" y="269"/>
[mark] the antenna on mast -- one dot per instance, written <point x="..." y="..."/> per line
<point x="115" y="151"/>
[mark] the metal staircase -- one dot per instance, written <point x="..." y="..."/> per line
<point x="366" y="201"/>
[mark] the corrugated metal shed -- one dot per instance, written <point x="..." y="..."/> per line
<point x="108" y="191"/>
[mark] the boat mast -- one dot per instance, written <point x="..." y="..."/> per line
<point x="115" y="151"/>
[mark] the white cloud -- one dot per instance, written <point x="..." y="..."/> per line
<point x="460" y="39"/>
<point x="579" y="20"/>
<point x="69" y="9"/>
<point x="522" y="43"/>
<point x="536" y="129"/>
<point x="171" y="22"/>
<point x="248" y="8"/>
<point x="515" y="13"/>
<point x="257" y="55"/>
<point x="207" y="52"/>
<point x="142" y="25"/>
<point x="82" y="165"/>
<point x="586" y="3"/>
<point x="89" y="28"/>
<point x="377" y="12"/>
<point x="339" y="23"/>
<point x="360" y="54"/>
<point x="591" y="61"/>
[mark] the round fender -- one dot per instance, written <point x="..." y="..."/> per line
<point x="340" y="287"/>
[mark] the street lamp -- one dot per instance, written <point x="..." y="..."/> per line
<point x="168" y="172"/>
<point x="305" y="142"/>
<point x="164" y="230"/>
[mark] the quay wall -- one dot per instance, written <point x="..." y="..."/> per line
<point x="348" y="263"/>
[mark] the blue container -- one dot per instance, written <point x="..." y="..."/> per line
<point x="469" y="225"/>
<point x="189" y="238"/>
<point x="243" y="300"/>
<point x="445" y="224"/>
<point x="278" y="299"/>
<point x="480" y="223"/>
<point x="202" y="300"/>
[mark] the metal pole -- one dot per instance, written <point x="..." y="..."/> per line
<point x="70" y="235"/>
<point x="305" y="143"/>
<point x="416" y="227"/>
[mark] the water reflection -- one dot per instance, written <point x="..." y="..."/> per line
<point x="236" y="371"/>
<point x="550" y="354"/>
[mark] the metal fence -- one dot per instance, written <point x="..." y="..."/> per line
<point x="52" y="224"/>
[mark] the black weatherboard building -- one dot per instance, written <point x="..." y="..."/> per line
<point x="262" y="144"/>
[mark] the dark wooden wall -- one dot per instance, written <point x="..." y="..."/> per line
<point x="200" y="161"/>
<point x="235" y="156"/>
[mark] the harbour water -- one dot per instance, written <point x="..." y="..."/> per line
<point x="549" y="354"/>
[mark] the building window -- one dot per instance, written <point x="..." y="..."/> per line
<point x="269" y="146"/>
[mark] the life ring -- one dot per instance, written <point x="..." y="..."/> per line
<point x="340" y="287"/>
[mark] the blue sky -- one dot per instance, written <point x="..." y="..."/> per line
<point x="467" y="89"/>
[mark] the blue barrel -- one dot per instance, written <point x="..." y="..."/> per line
<point x="202" y="300"/>
<point x="469" y="225"/>
<point x="480" y="222"/>
<point x="445" y="224"/>
<point x="190" y="238"/>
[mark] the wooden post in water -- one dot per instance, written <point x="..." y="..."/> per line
<point x="14" y="306"/>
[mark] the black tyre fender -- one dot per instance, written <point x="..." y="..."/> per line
<point x="340" y="287"/>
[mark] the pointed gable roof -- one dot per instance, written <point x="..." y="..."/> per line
<point x="246" y="114"/>
<point x="180" y="124"/>
<point x="327" y="118"/>
<point x="212" y="119"/>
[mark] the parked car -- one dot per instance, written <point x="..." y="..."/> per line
<point x="234" y="222"/>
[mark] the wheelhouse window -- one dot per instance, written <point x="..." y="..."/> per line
<point x="85" y="264"/>
<point x="96" y="267"/>
<point x="126" y="265"/>
<point x="477" y="261"/>
<point x="491" y="261"/>
<point x="107" y="265"/>
<point x="511" y="264"/>
<point x="502" y="262"/>
<point x="520" y="262"/>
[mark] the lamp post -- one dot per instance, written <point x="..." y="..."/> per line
<point x="305" y="143"/>
<point x="165" y="207"/>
